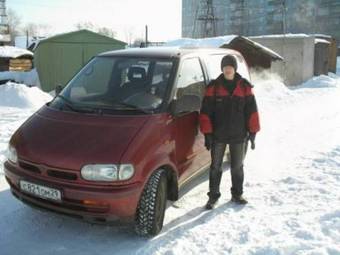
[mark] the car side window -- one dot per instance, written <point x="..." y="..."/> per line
<point x="190" y="79"/>
<point x="214" y="66"/>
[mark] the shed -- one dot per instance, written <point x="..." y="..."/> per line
<point x="15" y="59"/>
<point x="58" y="58"/>
<point x="321" y="56"/>
<point x="298" y="53"/>
<point x="332" y="52"/>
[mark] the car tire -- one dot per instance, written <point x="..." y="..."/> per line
<point x="151" y="207"/>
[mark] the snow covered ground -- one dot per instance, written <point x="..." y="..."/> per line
<point x="292" y="182"/>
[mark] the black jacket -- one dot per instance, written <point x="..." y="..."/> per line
<point x="229" y="117"/>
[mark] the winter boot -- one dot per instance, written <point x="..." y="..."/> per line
<point x="239" y="200"/>
<point x="211" y="203"/>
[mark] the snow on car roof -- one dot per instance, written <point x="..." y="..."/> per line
<point x="13" y="52"/>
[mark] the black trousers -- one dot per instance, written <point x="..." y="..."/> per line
<point x="237" y="155"/>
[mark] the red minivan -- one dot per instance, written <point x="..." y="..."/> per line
<point x="120" y="139"/>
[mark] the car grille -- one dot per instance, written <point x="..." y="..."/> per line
<point x="38" y="169"/>
<point x="62" y="175"/>
<point x="29" y="167"/>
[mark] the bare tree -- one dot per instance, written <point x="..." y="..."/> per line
<point x="85" y="25"/>
<point x="101" y="30"/>
<point x="138" y="42"/>
<point x="37" y="29"/>
<point x="129" y="34"/>
<point x="14" y="22"/>
<point x="107" y="32"/>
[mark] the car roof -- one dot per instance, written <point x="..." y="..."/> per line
<point x="166" y="52"/>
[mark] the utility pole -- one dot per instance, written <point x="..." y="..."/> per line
<point x="146" y="36"/>
<point x="27" y="41"/>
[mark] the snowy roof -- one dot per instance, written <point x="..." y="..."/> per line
<point x="13" y="52"/>
<point x="323" y="36"/>
<point x="202" y="42"/>
<point x="318" y="40"/>
<point x="220" y="42"/>
<point x="263" y="48"/>
<point x="282" y="35"/>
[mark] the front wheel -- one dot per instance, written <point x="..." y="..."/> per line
<point x="151" y="206"/>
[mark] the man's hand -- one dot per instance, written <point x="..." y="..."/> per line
<point x="251" y="138"/>
<point x="208" y="139"/>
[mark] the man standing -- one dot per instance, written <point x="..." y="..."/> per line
<point x="228" y="116"/>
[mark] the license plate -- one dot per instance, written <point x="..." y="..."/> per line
<point x="40" y="191"/>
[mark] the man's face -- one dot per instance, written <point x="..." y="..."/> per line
<point x="229" y="72"/>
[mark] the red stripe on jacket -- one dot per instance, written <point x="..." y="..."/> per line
<point x="254" y="123"/>
<point x="205" y="123"/>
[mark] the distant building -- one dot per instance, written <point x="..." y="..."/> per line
<point x="5" y="37"/>
<point x="260" y="17"/>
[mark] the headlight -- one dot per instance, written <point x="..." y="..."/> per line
<point x="12" y="154"/>
<point x="126" y="171"/>
<point x="107" y="172"/>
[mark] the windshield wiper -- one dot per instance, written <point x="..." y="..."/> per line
<point x="67" y="102"/>
<point x="133" y="107"/>
<point x="70" y="105"/>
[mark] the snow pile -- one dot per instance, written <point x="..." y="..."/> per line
<point x="30" y="78"/>
<point x="322" y="81"/>
<point x="13" y="52"/>
<point x="21" y="96"/>
<point x="269" y="85"/>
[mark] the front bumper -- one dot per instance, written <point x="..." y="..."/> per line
<point x="91" y="203"/>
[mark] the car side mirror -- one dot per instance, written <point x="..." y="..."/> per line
<point x="58" y="89"/>
<point x="186" y="103"/>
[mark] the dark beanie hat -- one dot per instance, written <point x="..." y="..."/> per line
<point x="229" y="60"/>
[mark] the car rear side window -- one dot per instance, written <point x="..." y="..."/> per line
<point x="190" y="78"/>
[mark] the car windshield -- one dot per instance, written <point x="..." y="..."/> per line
<point x="117" y="83"/>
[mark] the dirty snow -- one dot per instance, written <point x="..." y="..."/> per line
<point x="292" y="182"/>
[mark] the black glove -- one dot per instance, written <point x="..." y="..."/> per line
<point x="208" y="139"/>
<point x="251" y="138"/>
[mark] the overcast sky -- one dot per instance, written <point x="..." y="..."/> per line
<point x="163" y="17"/>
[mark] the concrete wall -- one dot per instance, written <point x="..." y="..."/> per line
<point x="298" y="54"/>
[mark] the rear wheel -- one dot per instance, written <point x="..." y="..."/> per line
<point x="151" y="206"/>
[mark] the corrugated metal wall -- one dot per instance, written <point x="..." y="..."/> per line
<point x="58" y="58"/>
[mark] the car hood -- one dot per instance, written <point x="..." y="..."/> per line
<point x="70" y="140"/>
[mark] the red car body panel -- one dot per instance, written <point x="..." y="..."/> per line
<point x="70" y="140"/>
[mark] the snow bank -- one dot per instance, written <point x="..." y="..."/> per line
<point x="21" y="96"/>
<point x="269" y="85"/>
<point x="322" y="81"/>
<point x="30" y="78"/>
